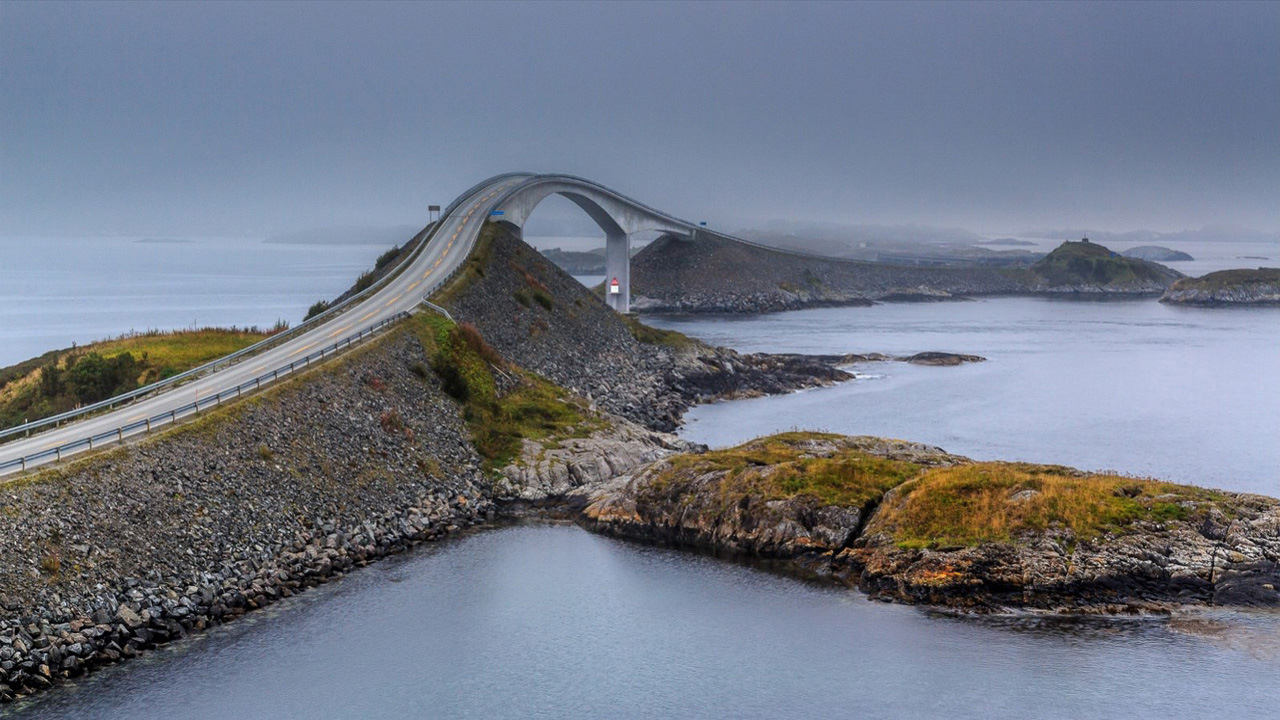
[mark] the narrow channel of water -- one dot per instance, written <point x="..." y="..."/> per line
<point x="549" y="621"/>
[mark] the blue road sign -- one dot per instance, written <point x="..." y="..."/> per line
<point x="495" y="212"/>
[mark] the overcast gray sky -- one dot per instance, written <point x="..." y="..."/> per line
<point x="262" y="118"/>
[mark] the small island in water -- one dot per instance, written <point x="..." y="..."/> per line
<point x="1227" y="287"/>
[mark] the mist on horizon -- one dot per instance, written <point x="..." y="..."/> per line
<point x="998" y="119"/>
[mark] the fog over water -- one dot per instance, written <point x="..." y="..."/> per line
<point x="259" y="118"/>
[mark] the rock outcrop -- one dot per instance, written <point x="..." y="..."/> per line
<point x="1227" y="287"/>
<point x="542" y="319"/>
<point x="914" y="524"/>
<point x="1089" y="269"/>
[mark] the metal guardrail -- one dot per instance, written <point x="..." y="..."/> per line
<point x="436" y="307"/>
<point x="26" y="428"/>
<point x="171" y="417"/>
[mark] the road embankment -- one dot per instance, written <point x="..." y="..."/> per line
<point x="119" y="552"/>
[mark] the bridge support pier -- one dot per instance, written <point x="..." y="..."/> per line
<point x="617" y="264"/>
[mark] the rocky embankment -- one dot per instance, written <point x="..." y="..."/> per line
<point x="401" y="441"/>
<point x="117" y="553"/>
<point x="716" y="275"/>
<point x="912" y="523"/>
<point x="542" y="319"/>
<point x="1227" y="287"/>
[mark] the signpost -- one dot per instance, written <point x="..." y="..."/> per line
<point x="433" y="209"/>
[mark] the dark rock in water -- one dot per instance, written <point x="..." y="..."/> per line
<point x="1156" y="253"/>
<point x="942" y="359"/>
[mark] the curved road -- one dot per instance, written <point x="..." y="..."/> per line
<point x="448" y="248"/>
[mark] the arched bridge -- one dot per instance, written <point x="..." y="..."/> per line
<point x="618" y="216"/>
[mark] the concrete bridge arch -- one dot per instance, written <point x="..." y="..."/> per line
<point x="617" y="215"/>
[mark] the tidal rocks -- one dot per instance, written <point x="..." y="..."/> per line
<point x="1227" y="287"/>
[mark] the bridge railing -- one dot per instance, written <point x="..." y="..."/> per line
<point x="171" y="417"/>
<point x="693" y="227"/>
<point x="27" y="428"/>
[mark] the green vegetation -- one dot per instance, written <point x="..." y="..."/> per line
<point x="1225" y="279"/>
<point x="62" y="380"/>
<point x="1085" y="263"/>
<point x="650" y="335"/>
<point x="986" y="502"/>
<point x="948" y="506"/>
<point x="317" y="308"/>
<point x="781" y="467"/>
<point x="527" y="406"/>
<point x="386" y="258"/>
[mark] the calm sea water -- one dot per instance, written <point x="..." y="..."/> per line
<point x="552" y="622"/>
<point x="59" y="291"/>
<point x="1184" y="394"/>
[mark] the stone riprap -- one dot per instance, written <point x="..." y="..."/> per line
<point x="142" y="545"/>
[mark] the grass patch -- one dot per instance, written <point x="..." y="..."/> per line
<point x="782" y="467"/>
<point x="986" y="502"/>
<point x="62" y="380"/>
<point x="529" y="408"/>
<point x="650" y="335"/>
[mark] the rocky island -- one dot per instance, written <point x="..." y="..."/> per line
<point x="1227" y="287"/>
<point x="717" y="275"/>
<point x="1157" y="253"/>
<point x="912" y="523"/>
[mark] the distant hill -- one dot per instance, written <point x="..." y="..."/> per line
<point x="1156" y="253"/>
<point x="1086" y="267"/>
<point x="577" y="263"/>
<point x="347" y="235"/>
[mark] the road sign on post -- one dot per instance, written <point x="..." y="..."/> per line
<point x="433" y="209"/>
<point x="614" y="288"/>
